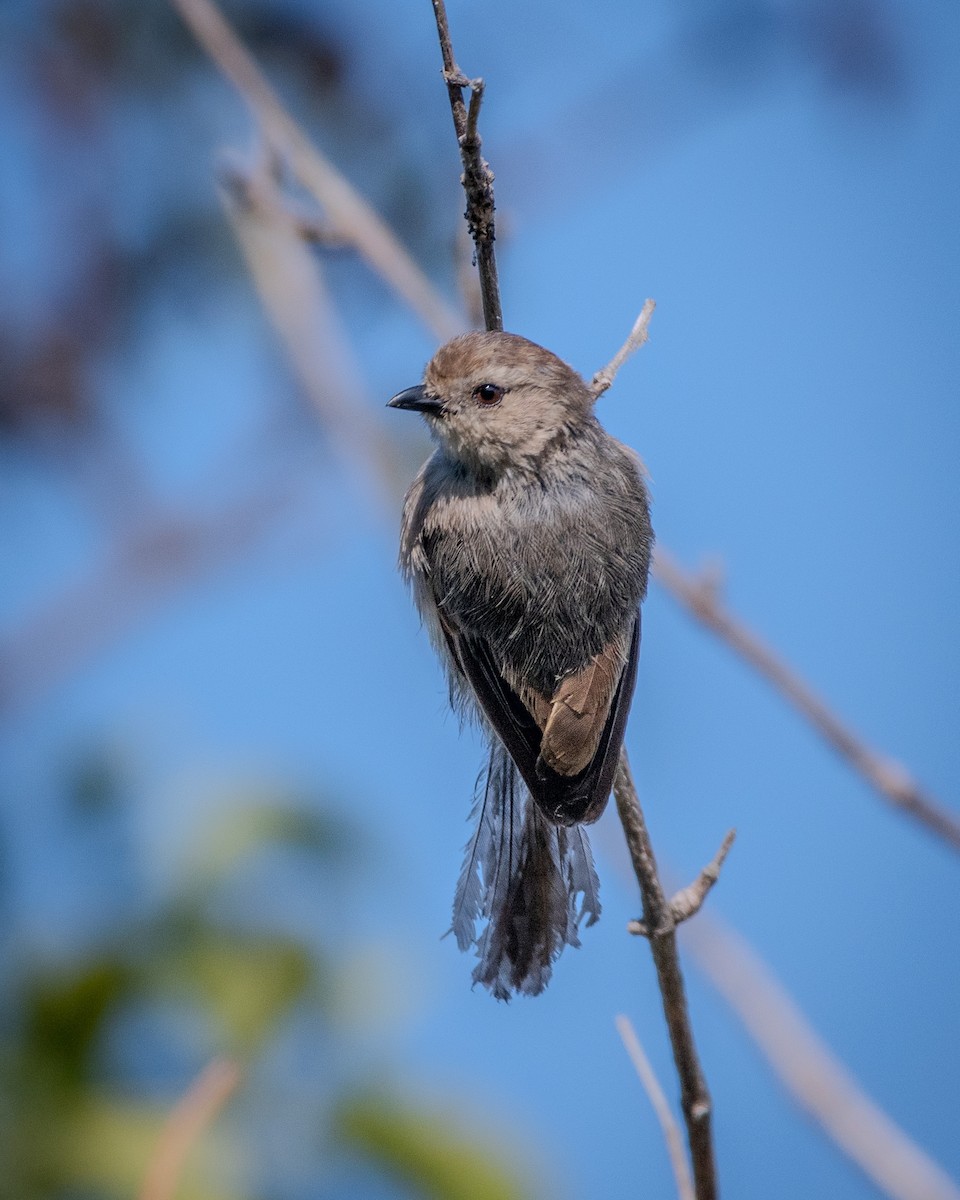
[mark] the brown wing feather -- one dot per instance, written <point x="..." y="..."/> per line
<point x="579" y="710"/>
<point x="529" y="728"/>
<point x="580" y="799"/>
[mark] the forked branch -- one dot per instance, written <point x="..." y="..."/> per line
<point x="658" y="920"/>
<point x="477" y="178"/>
<point x="689" y="900"/>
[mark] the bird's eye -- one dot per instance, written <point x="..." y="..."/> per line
<point x="488" y="394"/>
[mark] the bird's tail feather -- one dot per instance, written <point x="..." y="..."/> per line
<point x="532" y="882"/>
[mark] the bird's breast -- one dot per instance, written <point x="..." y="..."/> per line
<point x="545" y="575"/>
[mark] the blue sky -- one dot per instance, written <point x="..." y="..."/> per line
<point x="797" y="407"/>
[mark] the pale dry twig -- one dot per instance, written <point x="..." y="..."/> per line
<point x="194" y="1113"/>
<point x="651" y="1085"/>
<point x="290" y="283"/>
<point x="638" y="335"/>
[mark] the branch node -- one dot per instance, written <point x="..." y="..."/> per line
<point x="689" y="900"/>
<point x="456" y="78"/>
<point x="257" y="192"/>
<point x="657" y="911"/>
<point x="471" y="137"/>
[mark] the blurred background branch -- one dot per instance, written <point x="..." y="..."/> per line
<point x="195" y="1112"/>
<point x="700" y="597"/>
<point x="660" y="1105"/>
<point x="351" y="216"/>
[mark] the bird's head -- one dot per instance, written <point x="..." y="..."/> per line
<point x="496" y="401"/>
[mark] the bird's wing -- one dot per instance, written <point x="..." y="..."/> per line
<point x="501" y="705"/>
<point x="567" y="752"/>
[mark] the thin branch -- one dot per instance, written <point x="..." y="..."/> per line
<point x="700" y="597"/>
<point x="811" y="1073"/>
<point x="478" y="185"/>
<point x="350" y="214"/>
<point x="455" y="79"/>
<point x="694" y="1094"/>
<point x="651" y="1085"/>
<point x="638" y="335"/>
<point x="257" y="189"/>
<point x="194" y="1113"/>
<point x="477" y="178"/>
<point x="689" y="900"/>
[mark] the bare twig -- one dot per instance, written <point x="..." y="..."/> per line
<point x="811" y="1074"/>
<point x="256" y="188"/>
<point x="477" y="177"/>
<point x="192" y="1116"/>
<point x="658" y="918"/>
<point x="689" y="900"/>
<point x="638" y="335"/>
<point x="700" y="597"/>
<point x="352" y="217"/>
<point x="651" y="1085"/>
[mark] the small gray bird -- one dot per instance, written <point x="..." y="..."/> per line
<point x="526" y="538"/>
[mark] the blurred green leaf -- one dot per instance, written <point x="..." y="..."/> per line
<point x="67" y="1129"/>
<point x="108" y="1145"/>
<point x="250" y="828"/>
<point x="246" y="982"/>
<point x="426" y="1150"/>
<point x="65" y="1012"/>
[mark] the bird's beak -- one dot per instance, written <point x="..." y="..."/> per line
<point x="417" y="400"/>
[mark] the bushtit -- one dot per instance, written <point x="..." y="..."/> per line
<point x="526" y="538"/>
